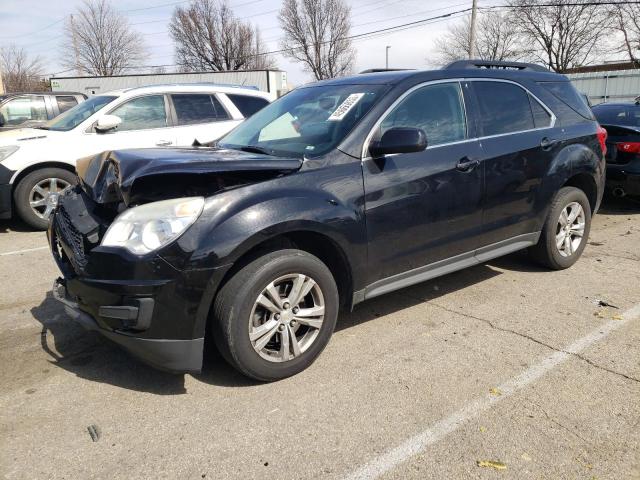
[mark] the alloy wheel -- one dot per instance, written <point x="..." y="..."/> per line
<point x="286" y="318"/>
<point x="43" y="197"/>
<point x="570" y="229"/>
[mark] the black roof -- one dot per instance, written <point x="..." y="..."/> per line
<point x="463" y="69"/>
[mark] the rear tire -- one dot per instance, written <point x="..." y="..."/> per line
<point x="565" y="231"/>
<point x="40" y="188"/>
<point x="281" y="296"/>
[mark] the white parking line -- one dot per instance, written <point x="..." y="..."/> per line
<point x="17" y="252"/>
<point x="418" y="443"/>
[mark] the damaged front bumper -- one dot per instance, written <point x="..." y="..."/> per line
<point x="143" y="303"/>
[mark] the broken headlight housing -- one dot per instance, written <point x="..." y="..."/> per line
<point x="149" y="227"/>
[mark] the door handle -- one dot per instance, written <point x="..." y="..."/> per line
<point x="546" y="143"/>
<point x="163" y="143"/>
<point x="465" y="164"/>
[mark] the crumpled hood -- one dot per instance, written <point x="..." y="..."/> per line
<point x="142" y="175"/>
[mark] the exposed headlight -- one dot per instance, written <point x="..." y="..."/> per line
<point x="149" y="227"/>
<point x="6" y="151"/>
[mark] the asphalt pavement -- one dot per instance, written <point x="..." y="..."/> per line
<point x="504" y="370"/>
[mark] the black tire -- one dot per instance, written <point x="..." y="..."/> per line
<point x="546" y="251"/>
<point x="23" y="190"/>
<point x="235" y="301"/>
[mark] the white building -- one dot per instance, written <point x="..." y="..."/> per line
<point x="271" y="81"/>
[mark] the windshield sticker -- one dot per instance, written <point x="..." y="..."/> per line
<point x="345" y="107"/>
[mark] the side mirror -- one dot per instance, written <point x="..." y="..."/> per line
<point x="108" y="122"/>
<point x="399" y="140"/>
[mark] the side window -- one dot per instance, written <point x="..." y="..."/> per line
<point x="142" y="113"/>
<point x="247" y="105"/>
<point x="504" y="108"/>
<point x="192" y="109"/>
<point x="436" y="109"/>
<point x="541" y="118"/>
<point x="66" y="102"/>
<point x="22" y="109"/>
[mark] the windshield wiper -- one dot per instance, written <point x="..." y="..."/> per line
<point x="42" y="127"/>
<point x="256" y="149"/>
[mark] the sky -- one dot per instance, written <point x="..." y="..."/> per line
<point x="37" y="26"/>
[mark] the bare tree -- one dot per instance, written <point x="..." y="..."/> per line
<point x="99" y="41"/>
<point x="19" y="72"/>
<point x="208" y="36"/>
<point x="316" y="34"/>
<point x="626" y="21"/>
<point x="496" y="39"/>
<point x="564" y="34"/>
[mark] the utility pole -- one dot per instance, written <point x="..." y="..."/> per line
<point x="387" y="57"/>
<point x="74" y="40"/>
<point x="472" y="33"/>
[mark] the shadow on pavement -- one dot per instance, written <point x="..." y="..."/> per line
<point x="619" y="206"/>
<point x="88" y="355"/>
<point x="15" y="225"/>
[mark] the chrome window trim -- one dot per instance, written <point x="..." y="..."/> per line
<point x="460" y="81"/>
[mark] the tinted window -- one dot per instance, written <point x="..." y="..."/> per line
<point x="198" y="108"/>
<point x="142" y="113"/>
<point x="541" y="118"/>
<point x="617" y="115"/>
<point x="504" y="108"/>
<point x="22" y="109"/>
<point x="436" y="109"/>
<point x="248" y="105"/>
<point x="66" y="102"/>
<point x="569" y="95"/>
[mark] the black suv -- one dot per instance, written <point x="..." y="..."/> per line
<point x="338" y="192"/>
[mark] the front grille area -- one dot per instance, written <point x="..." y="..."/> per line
<point x="71" y="238"/>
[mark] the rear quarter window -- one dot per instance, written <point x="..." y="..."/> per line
<point x="248" y="105"/>
<point x="566" y="93"/>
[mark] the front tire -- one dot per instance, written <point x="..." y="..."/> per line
<point x="565" y="231"/>
<point x="37" y="194"/>
<point x="275" y="315"/>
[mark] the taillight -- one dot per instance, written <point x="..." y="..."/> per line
<point x="628" y="147"/>
<point x="602" y="138"/>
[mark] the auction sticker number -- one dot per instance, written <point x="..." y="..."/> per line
<point x="345" y="107"/>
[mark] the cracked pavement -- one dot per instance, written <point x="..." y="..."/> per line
<point x="395" y="366"/>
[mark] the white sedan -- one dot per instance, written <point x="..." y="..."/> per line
<point x="36" y="164"/>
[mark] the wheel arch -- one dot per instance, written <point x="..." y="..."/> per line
<point x="585" y="182"/>
<point x="38" y="166"/>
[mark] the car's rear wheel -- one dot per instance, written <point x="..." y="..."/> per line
<point x="37" y="194"/>
<point x="275" y="315"/>
<point x="566" y="230"/>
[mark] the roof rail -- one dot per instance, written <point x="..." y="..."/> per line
<point x="378" y="70"/>
<point x="498" y="65"/>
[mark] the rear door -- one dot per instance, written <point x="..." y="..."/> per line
<point x="518" y="144"/>
<point x="201" y="117"/>
<point x="426" y="206"/>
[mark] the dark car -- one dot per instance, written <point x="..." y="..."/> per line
<point x="18" y="110"/>
<point x="338" y="192"/>
<point x="622" y="122"/>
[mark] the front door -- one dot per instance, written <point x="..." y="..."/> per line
<point x="424" y="207"/>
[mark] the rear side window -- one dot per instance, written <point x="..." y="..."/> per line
<point x="436" y="109"/>
<point x="565" y="92"/>
<point x="504" y="108"/>
<point x="247" y="105"/>
<point x="192" y="109"/>
<point x="541" y="118"/>
<point x="66" y="102"/>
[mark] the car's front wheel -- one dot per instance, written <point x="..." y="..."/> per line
<point x="37" y="194"/>
<point x="566" y="230"/>
<point x="275" y="315"/>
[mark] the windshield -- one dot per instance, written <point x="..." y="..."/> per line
<point x="78" y="114"/>
<point x="307" y="122"/>
<point x="626" y="115"/>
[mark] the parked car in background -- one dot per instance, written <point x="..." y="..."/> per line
<point x="622" y="122"/>
<point x="36" y="164"/>
<point x="336" y="193"/>
<point x="19" y="110"/>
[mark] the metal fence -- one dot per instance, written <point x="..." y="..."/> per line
<point x="611" y="86"/>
